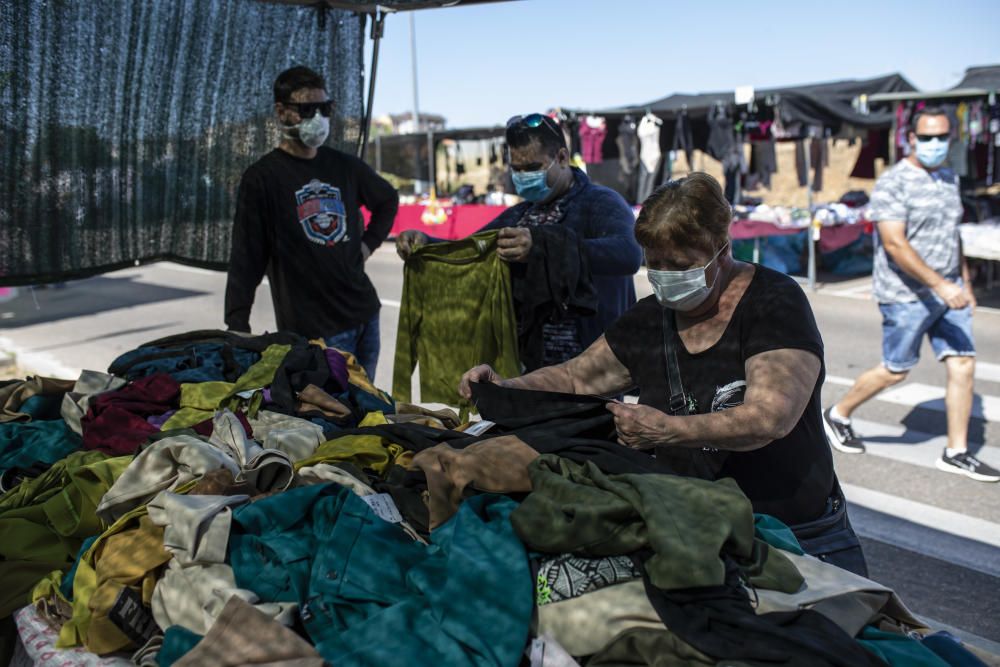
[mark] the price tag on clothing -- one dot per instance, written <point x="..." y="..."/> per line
<point x="384" y="507"/>
<point x="248" y="394"/>
<point x="480" y="427"/>
<point x="537" y="655"/>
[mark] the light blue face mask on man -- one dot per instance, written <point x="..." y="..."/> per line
<point x="932" y="152"/>
<point x="532" y="185"/>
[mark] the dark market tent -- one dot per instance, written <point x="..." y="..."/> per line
<point x="825" y="104"/>
<point x="405" y="155"/>
<point x="983" y="78"/>
<point x="977" y="82"/>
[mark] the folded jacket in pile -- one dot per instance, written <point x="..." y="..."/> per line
<point x="43" y="521"/>
<point x="116" y="422"/>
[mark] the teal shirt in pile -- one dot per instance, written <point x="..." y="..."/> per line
<point x="457" y="312"/>
<point x="370" y="595"/>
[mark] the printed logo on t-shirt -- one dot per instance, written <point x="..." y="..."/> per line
<point x="729" y="396"/>
<point x="321" y="213"/>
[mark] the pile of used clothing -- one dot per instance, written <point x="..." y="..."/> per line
<point x="226" y="500"/>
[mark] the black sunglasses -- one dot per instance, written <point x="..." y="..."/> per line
<point x="309" y="109"/>
<point x="928" y="137"/>
<point x="535" y="120"/>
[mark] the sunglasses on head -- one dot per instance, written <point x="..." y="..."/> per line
<point x="533" y="121"/>
<point x="309" y="109"/>
<point x="928" y="137"/>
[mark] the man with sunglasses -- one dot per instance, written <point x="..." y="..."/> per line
<point x="298" y="220"/>
<point x="921" y="281"/>
<point x="561" y="196"/>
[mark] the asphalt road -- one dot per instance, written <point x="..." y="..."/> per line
<point x="933" y="537"/>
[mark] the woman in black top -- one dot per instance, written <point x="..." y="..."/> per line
<point x="750" y="362"/>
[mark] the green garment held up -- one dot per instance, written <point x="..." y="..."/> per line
<point x="457" y="312"/>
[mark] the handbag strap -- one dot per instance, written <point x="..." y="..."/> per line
<point x="678" y="404"/>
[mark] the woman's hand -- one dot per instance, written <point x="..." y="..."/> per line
<point x="638" y="426"/>
<point x="514" y="244"/>
<point x="409" y="241"/>
<point x="481" y="373"/>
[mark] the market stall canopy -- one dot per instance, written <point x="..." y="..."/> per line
<point x="977" y="82"/>
<point x="986" y="77"/>
<point x="823" y="104"/>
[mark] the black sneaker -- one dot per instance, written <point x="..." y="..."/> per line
<point x="841" y="436"/>
<point x="968" y="465"/>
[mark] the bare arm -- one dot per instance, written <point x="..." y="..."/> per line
<point x="779" y="386"/>
<point x="595" y="371"/>
<point x="966" y="278"/>
<point x="893" y="235"/>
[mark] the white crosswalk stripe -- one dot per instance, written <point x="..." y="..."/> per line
<point x="918" y="394"/>
<point x="895" y="441"/>
<point x="928" y="397"/>
<point x="987" y="372"/>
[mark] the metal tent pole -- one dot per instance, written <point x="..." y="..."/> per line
<point x="416" y="97"/>
<point x="809" y="204"/>
<point x="431" y="167"/>
<point x="378" y="29"/>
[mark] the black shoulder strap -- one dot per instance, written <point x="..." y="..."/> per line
<point x="678" y="404"/>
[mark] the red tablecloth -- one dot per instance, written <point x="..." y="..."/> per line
<point x="460" y="222"/>
<point x="830" y="238"/>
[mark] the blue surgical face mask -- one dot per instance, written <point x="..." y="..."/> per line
<point x="532" y="185"/>
<point x="932" y="153"/>
<point x="682" y="290"/>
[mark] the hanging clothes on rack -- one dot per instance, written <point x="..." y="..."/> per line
<point x="864" y="167"/>
<point x="723" y="146"/>
<point x="593" y="130"/>
<point x="819" y="157"/>
<point x="902" y="138"/>
<point x="683" y="139"/>
<point x="958" y="151"/>
<point x="650" y="155"/>
<point x="763" y="156"/>
<point x="627" y="142"/>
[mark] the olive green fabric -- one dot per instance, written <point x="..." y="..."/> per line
<point x="261" y="374"/>
<point x="457" y="312"/>
<point x="372" y="452"/>
<point x="129" y="553"/>
<point x="200" y="400"/>
<point x="686" y="522"/>
<point x="43" y="521"/>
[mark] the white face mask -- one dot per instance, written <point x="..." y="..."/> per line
<point x="311" y="131"/>
<point x="682" y="290"/>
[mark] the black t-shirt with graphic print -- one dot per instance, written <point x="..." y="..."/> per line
<point x="790" y="478"/>
<point x="300" y="221"/>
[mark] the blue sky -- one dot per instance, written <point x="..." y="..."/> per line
<point x="479" y="65"/>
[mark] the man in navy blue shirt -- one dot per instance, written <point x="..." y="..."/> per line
<point x="556" y="193"/>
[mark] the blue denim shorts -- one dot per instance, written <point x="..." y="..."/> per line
<point x="904" y="326"/>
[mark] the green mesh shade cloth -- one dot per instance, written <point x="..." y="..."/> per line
<point x="125" y="126"/>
